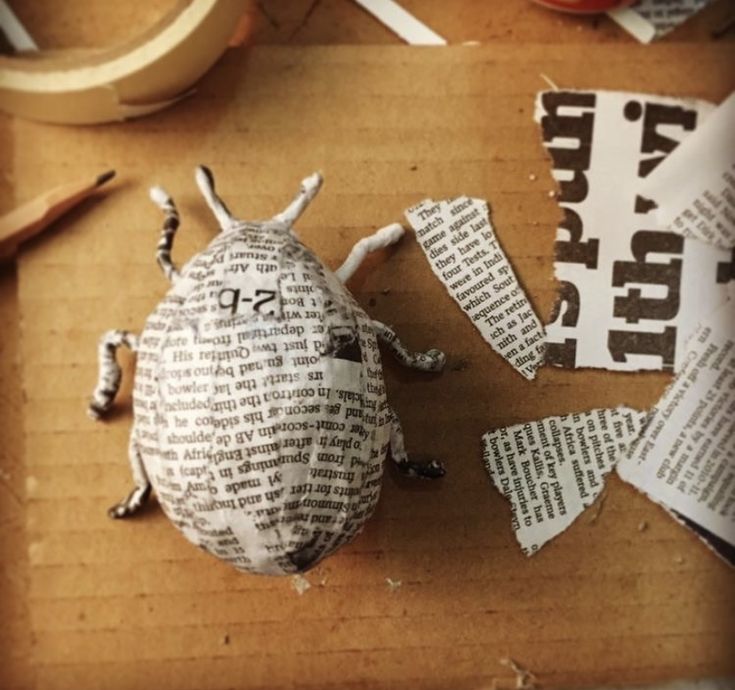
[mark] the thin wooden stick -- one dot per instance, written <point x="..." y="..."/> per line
<point x="29" y="219"/>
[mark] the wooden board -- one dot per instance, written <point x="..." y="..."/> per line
<point x="127" y="605"/>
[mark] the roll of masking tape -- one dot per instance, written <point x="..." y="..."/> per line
<point x="140" y="77"/>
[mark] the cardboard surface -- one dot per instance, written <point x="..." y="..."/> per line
<point x="15" y="631"/>
<point x="125" y="605"/>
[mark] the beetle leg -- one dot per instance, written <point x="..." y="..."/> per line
<point x="384" y="237"/>
<point x="205" y="182"/>
<point x="170" y="226"/>
<point x="309" y="188"/>
<point x="138" y="496"/>
<point x="108" y="382"/>
<point x="431" y="469"/>
<point x="431" y="360"/>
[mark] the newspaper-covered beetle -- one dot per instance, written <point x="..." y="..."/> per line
<point x="260" y="413"/>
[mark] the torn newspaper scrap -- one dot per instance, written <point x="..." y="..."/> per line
<point x="630" y="294"/>
<point x="694" y="187"/>
<point x="552" y="469"/>
<point x="685" y="456"/>
<point x="464" y="253"/>
<point x="648" y="20"/>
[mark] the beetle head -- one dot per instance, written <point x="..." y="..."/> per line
<point x="282" y="222"/>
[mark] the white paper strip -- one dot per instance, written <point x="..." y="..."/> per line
<point x="464" y="253"/>
<point x="685" y="457"/>
<point x="631" y="294"/>
<point x="695" y="186"/>
<point x="634" y="24"/>
<point x="402" y="23"/>
<point x="14" y="31"/>
<point x="552" y="469"/>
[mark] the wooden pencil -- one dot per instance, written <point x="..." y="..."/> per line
<point x="29" y="219"/>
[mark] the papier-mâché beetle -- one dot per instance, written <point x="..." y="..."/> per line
<point x="260" y="414"/>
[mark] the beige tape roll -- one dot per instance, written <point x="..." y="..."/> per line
<point x="141" y="77"/>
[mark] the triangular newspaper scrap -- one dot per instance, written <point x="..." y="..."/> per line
<point x="552" y="469"/>
<point x="464" y="253"/>
<point x="685" y="456"/>
<point x="631" y="294"/>
<point x="695" y="186"/>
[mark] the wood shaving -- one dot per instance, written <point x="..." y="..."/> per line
<point x="642" y="526"/>
<point x="300" y="584"/>
<point x="322" y="575"/>
<point x="598" y="508"/>
<point x="525" y="679"/>
<point x="549" y="81"/>
<point x="393" y="585"/>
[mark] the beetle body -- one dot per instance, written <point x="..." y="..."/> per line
<point x="260" y="414"/>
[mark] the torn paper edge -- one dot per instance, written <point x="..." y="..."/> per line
<point x="647" y="463"/>
<point x="402" y="23"/>
<point x="719" y="547"/>
<point x="654" y="341"/>
<point x="696" y="182"/>
<point x="548" y="487"/>
<point x="439" y="226"/>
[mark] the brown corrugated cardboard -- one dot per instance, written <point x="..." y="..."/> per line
<point x="131" y="604"/>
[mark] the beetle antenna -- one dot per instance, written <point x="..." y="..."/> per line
<point x="205" y="182"/>
<point x="309" y="188"/>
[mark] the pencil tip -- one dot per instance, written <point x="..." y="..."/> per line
<point x="104" y="177"/>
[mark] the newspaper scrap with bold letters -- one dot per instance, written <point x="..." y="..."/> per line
<point x="694" y="187"/>
<point x="685" y="456"/>
<point x="648" y="20"/>
<point x="464" y="253"/>
<point x="552" y="469"/>
<point x="631" y="294"/>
